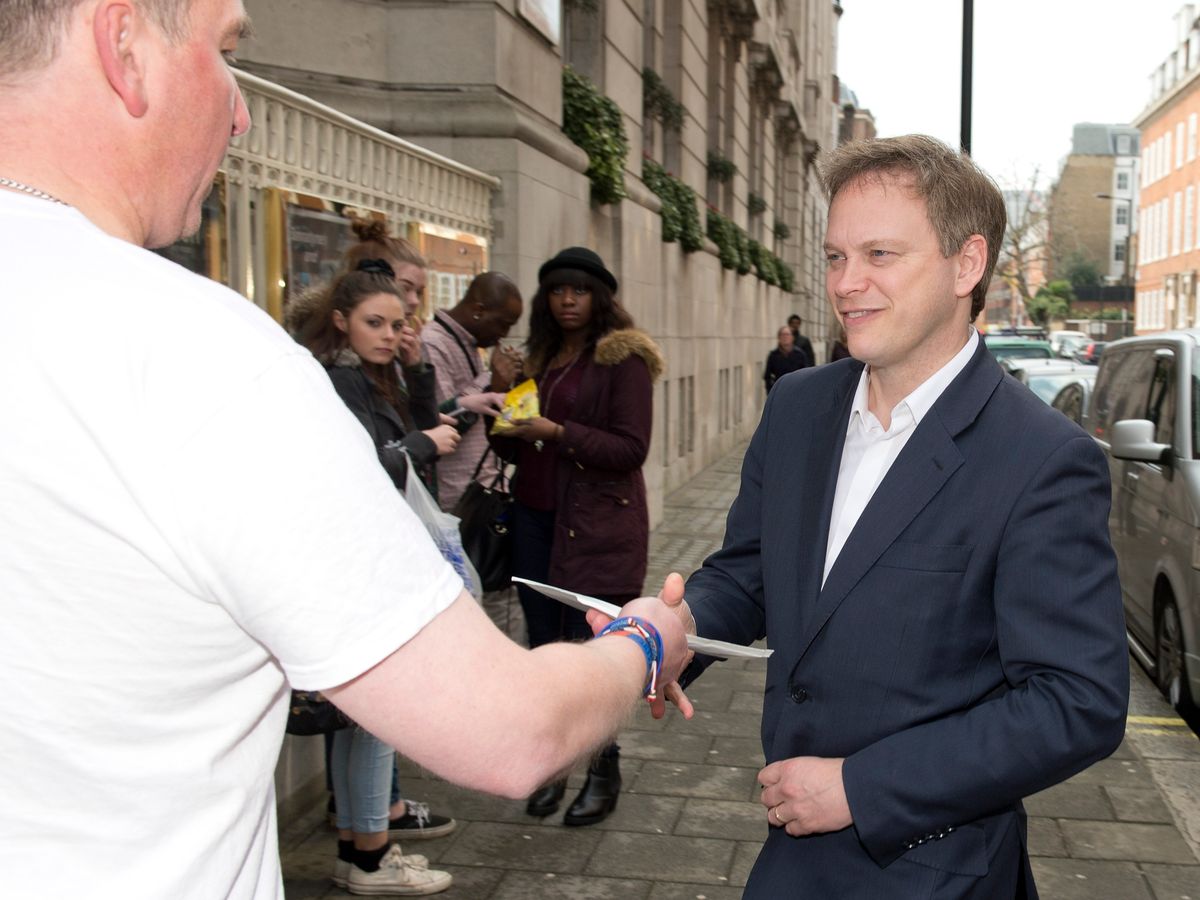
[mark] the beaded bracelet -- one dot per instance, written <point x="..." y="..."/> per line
<point x="648" y="638"/>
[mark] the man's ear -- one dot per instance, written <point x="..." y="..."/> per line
<point x="972" y="261"/>
<point x="115" y="29"/>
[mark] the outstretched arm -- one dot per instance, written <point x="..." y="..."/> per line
<point x="460" y="691"/>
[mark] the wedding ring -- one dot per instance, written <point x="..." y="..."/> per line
<point x="775" y="813"/>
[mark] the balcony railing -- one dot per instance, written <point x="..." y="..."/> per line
<point x="299" y="144"/>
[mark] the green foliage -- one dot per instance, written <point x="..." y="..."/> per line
<point x="1051" y="301"/>
<point x="781" y="231"/>
<point x="720" y="168"/>
<point x="659" y="103"/>
<point x="1081" y="271"/>
<point x="680" y="218"/>
<point x="756" y="204"/>
<point x="588" y="6"/>
<point x="594" y="122"/>
<point x="737" y="251"/>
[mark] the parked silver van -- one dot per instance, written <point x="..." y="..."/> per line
<point x="1143" y="412"/>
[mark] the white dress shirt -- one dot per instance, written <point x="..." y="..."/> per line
<point x="871" y="449"/>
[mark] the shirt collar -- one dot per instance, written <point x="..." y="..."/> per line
<point x="921" y="400"/>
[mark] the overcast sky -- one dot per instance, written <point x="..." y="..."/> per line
<point x="1041" y="66"/>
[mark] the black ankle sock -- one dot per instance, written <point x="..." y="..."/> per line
<point x="368" y="860"/>
<point x="346" y="850"/>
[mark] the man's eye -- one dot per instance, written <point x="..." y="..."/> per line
<point x="878" y="254"/>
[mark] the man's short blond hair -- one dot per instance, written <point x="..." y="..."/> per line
<point x="31" y="30"/>
<point x="960" y="197"/>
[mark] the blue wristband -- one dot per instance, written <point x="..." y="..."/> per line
<point x="648" y="638"/>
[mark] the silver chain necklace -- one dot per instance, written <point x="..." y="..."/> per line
<point x="31" y="191"/>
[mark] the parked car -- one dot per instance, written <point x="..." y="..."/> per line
<point x="1090" y="352"/>
<point x="1072" y="400"/>
<point x="1071" y="345"/>
<point x="1003" y="346"/>
<point x="1059" y="339"/>
<point x="1046" y="377"/>
<point x="1143" y="413"/>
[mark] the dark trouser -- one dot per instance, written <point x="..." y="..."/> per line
<point x="547" y="619"/>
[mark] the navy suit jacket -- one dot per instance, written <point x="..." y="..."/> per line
<point x="966" y="650"/>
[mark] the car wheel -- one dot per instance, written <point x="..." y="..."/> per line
<point x="1169" y="656"/>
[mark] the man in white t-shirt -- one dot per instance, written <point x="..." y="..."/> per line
<point x="190" y="519"/>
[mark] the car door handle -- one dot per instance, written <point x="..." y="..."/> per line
<point x="1132" y="477"/>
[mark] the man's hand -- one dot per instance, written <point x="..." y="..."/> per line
<point x="506" y="366"/>
<point x="805" y="795"/>
<point x="488" y="403"/>
<point x="670" y="596"/>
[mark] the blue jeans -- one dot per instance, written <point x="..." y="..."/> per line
<point x="361" y="767"/>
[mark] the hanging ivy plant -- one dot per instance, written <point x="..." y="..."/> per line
<point x="720" y="167"/>
<point x="756" y="204"/>
<point x="659" y="103"/>
<point x="781" y="231"/>
<point x="594" y="122"/>
<point x="680" y="220"/>
<point x="737" y="251"/>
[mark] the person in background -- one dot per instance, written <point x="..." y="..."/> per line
<point x="785" y="358"/>
<point x="358" y="335"/>
<point x="452" y="342"/>
<point x="801" y="342"/>
<point x="580" y="518"/>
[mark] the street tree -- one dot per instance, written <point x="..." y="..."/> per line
<point x="1024" y="255"/>
<point x="1052" y="301"/>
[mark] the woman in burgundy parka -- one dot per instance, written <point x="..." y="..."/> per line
<point x="580" y="518"/>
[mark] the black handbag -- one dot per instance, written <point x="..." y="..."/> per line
<point x="485" y="514"/>
<point x="310" y="713"/>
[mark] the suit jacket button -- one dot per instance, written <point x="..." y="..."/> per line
<point x="799" y="694"/>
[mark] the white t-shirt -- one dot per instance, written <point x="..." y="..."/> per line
<point x="189" y="519"/>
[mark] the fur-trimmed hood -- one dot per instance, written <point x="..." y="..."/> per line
<point x="344" y="358"/>
<point x="617" y="346"/>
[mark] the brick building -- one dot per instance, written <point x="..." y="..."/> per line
<point x="1169" y="246"/>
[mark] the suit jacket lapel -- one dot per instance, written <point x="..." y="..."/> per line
<point x="928" y="460"/>
<point x="823" y="463"/>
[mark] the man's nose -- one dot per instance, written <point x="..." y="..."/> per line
<point x="848" y="278"/>
<point x="241" y="114"/>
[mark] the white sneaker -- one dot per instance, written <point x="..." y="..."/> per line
<point x="395" y="876"/>
<point x="341" y="867"/>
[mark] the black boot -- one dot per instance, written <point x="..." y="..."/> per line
<point x="544" y="801"/>
<point x="599" y="795"/>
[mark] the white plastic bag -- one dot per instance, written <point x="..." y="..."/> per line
<point x="443" y="528"/>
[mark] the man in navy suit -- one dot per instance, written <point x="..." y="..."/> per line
<point x="924" y="544"/>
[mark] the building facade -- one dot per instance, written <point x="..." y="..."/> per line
<point x="731" y="100"/>
<point x="1092" y="204"/>
<point x="1168" y="251"/>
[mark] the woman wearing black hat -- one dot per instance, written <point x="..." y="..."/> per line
<point x="580" y="516"/>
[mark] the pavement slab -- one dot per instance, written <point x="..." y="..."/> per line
<point x="1126" y="840"/>
<point x="1080" y="879"/>
<point x="671" y="857"/>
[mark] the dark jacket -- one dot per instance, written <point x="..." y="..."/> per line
<point x="779" y="365"/>
<point x="966" y="650"/>
<point x="804" y="345"/>
<point x="383" y="421"/>
<point x="601" y="524"/>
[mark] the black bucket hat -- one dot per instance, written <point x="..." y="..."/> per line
<point x="581" y="259"/>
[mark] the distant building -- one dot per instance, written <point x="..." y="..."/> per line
<point x="1082" y="226"/>
<point x="855" y="123"/>
<point x="1169" y="245"/>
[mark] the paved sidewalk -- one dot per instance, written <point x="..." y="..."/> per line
<point x="688" y="826"/>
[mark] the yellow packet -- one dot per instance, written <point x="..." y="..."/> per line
<point x="519" y="403"/>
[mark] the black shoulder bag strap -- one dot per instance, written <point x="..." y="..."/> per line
<point x="473" y="363"/>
